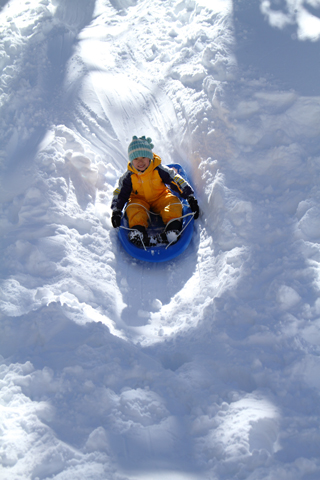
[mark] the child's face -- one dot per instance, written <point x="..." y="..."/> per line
<point x="141" y="163"/>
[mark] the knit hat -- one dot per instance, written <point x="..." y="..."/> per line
<point x="140" y="147"/>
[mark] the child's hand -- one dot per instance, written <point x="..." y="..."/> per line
<point x="116" y="218"/>
<point x="194" y="206"/>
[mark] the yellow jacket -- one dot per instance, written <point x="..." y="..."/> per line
<point x="149" y="185"/>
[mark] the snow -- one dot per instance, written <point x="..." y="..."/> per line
<point x="204" y="367"/>
<point x="297" y="12"/>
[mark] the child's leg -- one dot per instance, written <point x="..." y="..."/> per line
<point x="169" y="207"/>
<point x="137" y="213"/>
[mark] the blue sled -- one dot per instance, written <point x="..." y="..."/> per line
<point x="161" y="253"/>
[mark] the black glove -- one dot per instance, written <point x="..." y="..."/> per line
<point x="194" y="206"/>
<point x="116" y="218"/>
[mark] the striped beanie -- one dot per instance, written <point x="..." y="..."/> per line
<point x="140" y="147"/>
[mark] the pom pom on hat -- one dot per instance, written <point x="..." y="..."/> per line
<point x="140" y="147"/>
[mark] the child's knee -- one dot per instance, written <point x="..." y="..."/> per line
<point x="172" y="211"/>
<point x="137" y="215"/>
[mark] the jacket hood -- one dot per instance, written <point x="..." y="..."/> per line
<point x="155" y="162"/>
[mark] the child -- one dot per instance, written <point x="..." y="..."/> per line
<point x="144" y="187"/>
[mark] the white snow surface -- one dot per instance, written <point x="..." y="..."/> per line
<point x="202" y="368"/>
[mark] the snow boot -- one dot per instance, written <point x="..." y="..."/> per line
<point x="138" y="236"/>
<point x="173" y="231"/>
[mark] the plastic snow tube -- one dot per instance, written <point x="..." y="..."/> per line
<point x="162" y="252"/>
